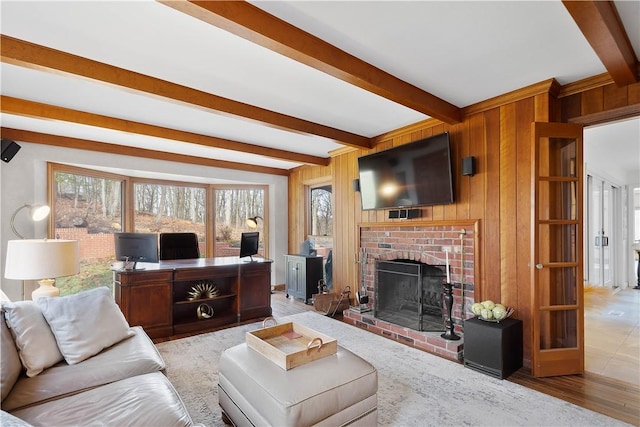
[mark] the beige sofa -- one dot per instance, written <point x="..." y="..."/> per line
<point x="102" y="373"/>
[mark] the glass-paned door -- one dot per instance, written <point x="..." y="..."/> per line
<point x="557" y="299"/>
<point x="601" y="239"/>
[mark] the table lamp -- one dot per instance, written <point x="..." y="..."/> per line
<point x="42" y="260"/>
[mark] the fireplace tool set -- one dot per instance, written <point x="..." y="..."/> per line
<point x="362" y="299"/>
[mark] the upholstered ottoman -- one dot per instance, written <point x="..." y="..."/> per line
<point x="341" y="389"/>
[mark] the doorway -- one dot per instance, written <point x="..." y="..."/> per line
<point x="612" y="172"/>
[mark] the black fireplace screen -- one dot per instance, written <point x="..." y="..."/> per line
<point x="409" y="293"/>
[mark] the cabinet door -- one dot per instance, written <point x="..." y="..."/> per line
<point x="145" y="300"/>
<point x="293" y="278"/>
<point x="255" y="291"/>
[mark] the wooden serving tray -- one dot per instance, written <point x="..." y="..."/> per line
<point x="289" y="345"/>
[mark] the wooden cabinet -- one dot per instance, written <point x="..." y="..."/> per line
<point x="303" y="274"/>
<point x="164" y="299"/>
<point x="255" y="291"/>
<point x="493" y="348"/>
<point x="145" y="300"/>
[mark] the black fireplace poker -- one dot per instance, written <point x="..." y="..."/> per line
<point x="449" y="333"/>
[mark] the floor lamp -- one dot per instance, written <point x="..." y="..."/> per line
<point x="42" y="260"/>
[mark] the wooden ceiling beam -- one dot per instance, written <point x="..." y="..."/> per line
<point x="601" y="25"/>
<point x="103" y="147"/>
<point x="21" y="107"/>
<point x="254" y="24"/>
<point x="33" y="56"/>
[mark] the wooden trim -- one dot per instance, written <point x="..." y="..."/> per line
<point x="607" y="116"/>
<point x="601" y="25"/>
<point x="585" y="85"/>
<point x="102" y="147"/>
<point x="253" y="24"/>
<point x="26" y="108"/>
<point x="545" y="86"/>
<point x="33" y="56"/>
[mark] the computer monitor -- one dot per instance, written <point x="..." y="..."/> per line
<point x="249" y="244"/>
<point x="135" y="247"/>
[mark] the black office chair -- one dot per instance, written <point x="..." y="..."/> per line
<point x="179" y="246"/>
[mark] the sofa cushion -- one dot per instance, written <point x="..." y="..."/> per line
<point x="11" y="367"/>
<point x="134" y="356"/>
<point x="145" y="400"/>
<point x="85" y="323"/>
<point x="36" y="344"/>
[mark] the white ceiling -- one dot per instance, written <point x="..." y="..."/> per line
<point x="462" y="52"/>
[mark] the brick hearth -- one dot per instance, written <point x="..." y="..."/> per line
<point x="423" y="243"/>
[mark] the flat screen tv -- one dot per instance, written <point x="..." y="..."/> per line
<point x="413" y="174"/>
<point x="249" y="244"/>
<point x="136" y="247"/>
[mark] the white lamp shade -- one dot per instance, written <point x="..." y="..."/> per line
<point x="35" y="259"/>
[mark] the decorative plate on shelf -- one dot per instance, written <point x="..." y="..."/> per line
<point x="202" y="290"/>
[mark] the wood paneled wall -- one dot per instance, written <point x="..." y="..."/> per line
<point x="497" y="132"/>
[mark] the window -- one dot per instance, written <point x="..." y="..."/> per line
<point x="89" y="206"/>
<point x="88" y="209"/>
<point x="321" y="211"/>
<point x="165" y="208"/>
<point x="233" y="207"/>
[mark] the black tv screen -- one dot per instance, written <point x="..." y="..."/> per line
<point x="413" y="174"/>
<point x="249" y="244"/>
<point x="136" y="247"/>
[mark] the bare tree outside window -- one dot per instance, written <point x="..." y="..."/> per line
<point x="87" y="209"/>
<point x="88" y="206"/>
<point x="321" y="211"/>
<point x="233" y="207"/>
<point x="160" y="208"/>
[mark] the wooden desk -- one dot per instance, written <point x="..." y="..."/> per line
<point x="156" y="295"/>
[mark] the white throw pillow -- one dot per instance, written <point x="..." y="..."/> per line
<point x="85" y="323"/>
<point x="34" y="340"/>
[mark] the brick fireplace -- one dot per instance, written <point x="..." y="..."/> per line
<point x="427" y="243"/>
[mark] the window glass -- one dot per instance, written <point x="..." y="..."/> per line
<point x="164" y="208"/>
<point x="233" y="206"/>
<point x="87" y="209"/>
<point x="321" y="211"/>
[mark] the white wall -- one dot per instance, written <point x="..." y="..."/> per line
<point x="24" y="180"/>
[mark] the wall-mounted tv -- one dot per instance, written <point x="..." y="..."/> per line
<point x="413" y="174"/>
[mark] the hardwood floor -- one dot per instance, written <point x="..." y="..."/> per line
<point x="609" y="396"/>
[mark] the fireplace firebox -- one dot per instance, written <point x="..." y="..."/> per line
<point x="410" y="293"/>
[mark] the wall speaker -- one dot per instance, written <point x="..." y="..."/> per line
<point x="356" y="185"/>
<point x="468" y="166"/>
<point x="9" y="149"/>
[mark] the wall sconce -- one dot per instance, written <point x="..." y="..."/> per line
<point x="42" y="260"/>
<point x="36" y="212"/>
<point x="253" y="221"/>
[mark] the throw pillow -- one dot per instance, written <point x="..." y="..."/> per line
<point x="34" y="340"/>
<point x="85" y="323"/>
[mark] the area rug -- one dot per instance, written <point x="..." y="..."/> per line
<point x="415" y="388"/>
